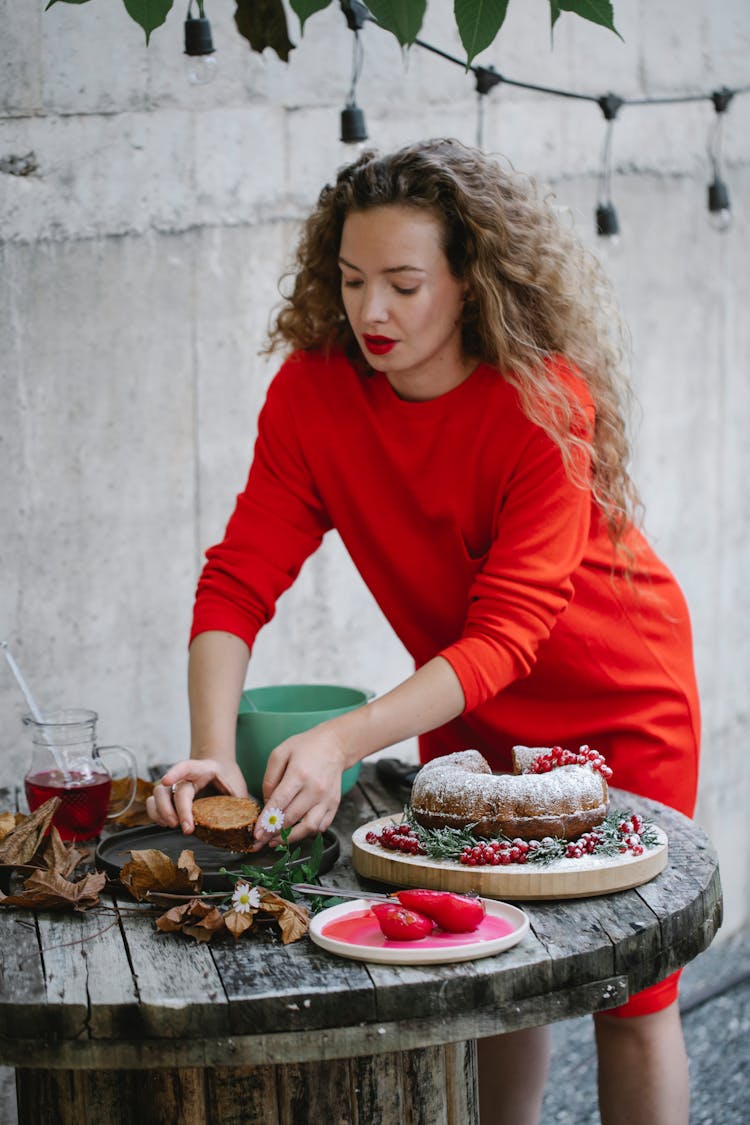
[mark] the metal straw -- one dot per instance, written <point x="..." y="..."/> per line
<point x="22" y="683"/>
<point x="35" y="712"/>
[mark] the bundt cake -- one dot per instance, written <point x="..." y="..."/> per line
<point x="460" y="791"/>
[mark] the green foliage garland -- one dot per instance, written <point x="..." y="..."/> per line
<point x="263" y="23"/>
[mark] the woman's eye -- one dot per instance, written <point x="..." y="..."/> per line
<point x="351" y="284"/>
<point x="405" y="292"/>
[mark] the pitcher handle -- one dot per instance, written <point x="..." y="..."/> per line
<point x="100" y="752"/>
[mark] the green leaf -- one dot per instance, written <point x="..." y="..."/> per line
<point x="316" y="854"/>
<point x="148" y="13"/>
<point x="263" y="24"/>
<point x="254" y="874"/>
<point x="308" y="871"/>
<point x="281" y="865"/>
<point x="51" y="2"/>
<point x="287" y="870"/>
<point x="303" y="9"/>
<point x="478" y="23"/>
<point x="597" y="11"/>
<point x="402" y="17"/>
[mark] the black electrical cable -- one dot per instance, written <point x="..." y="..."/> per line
<point x="487" y="77"/>
<point x="499" y="78"/>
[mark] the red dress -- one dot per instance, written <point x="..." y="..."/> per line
<point x="465" y="526"/>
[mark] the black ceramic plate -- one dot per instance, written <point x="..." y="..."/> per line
<point x="114" y="852"/>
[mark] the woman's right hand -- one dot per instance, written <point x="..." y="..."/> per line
<point x="171" y="804"/>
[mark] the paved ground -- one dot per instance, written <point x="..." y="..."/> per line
<point x="715" y="998"/>
<point x="716" y="1018"/>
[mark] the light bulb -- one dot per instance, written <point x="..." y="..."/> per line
<point x="349" y="153"/>
<point x="720" y="220"/>
<point x="200" y="64"/>
<point x="200" y="69"/>
<point x="610" y="249"/>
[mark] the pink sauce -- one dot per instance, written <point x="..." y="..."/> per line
<point x="361" y="928"/>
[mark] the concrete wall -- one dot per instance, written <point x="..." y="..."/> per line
<point x="139" y="264"/>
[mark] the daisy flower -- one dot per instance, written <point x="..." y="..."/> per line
<point x="245" y="898"/>
<point x="272" y="819"/>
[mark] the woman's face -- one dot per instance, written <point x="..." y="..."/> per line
<point x="403" y="303"/>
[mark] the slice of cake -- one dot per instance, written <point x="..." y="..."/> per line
<point x="226" y="822"/>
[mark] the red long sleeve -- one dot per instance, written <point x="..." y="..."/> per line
<point x="463" y="523"/>
<point x="277" y="523"/>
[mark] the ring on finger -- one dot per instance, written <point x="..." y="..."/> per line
<point x="173" y="788"/>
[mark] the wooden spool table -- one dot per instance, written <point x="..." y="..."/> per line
<point x="107" y="1020"/>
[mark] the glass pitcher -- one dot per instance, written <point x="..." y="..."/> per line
<point x="67" y="763"/>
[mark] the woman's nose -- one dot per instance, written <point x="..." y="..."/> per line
<point x="374" y="307"/>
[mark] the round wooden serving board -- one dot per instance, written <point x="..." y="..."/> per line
<point x="564" y="878"/>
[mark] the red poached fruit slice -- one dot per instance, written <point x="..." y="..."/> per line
<point x="400" y="924"/>
<point x="459" y="914"/>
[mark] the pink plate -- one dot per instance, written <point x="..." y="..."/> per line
<point x="352" y="930"/>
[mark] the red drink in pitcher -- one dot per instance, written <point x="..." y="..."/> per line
<point x="84" y="798"/>
<point x="67" y="763"/>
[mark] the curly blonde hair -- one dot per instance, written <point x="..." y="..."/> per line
<point x="535" y="294"/>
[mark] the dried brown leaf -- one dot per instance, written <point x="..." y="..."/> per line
<point x="293" y="920"/>
<point x="135" y="816"/>
<point x="203" y="930"/>
<point x="23" y="842"/>
<point x="7" y="824"/>
<point x="59" y="856"/>
<point x="148" y="870"/>
<point x="189" y="869"/>
<point x="197" y="918"/>
<point x="153" y="870"/>
<point x="238" y="923"/>
<point x="50" y="891"/>
<point x="173" y="919"/>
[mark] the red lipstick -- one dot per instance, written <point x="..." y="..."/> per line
<point x="379" y="345"/>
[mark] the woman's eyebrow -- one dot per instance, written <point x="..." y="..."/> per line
<point x="391" y="269"/>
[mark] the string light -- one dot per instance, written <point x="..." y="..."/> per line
<point x="199" y="52"/>
<point x="607" y="222"/>
<point x="719" y="206"/>
<point x="199" y="47"/>
<point x="486" y="79"/>
<point x="353" y="125"/>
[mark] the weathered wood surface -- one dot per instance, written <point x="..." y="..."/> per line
<point x="427" y="1086"/>
<point x="82" y="993"/>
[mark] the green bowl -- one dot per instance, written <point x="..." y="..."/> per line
<point x="268" y="715"/>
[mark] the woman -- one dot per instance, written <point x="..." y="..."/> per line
<point x="452" y="405"/>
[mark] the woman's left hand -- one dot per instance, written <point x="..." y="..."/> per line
<point x="303" y="782"/>
<point x="303" y="776"/>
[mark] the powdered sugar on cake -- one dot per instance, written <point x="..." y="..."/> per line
<point x="460" y="789"/>
<point x="564" y="789"/>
